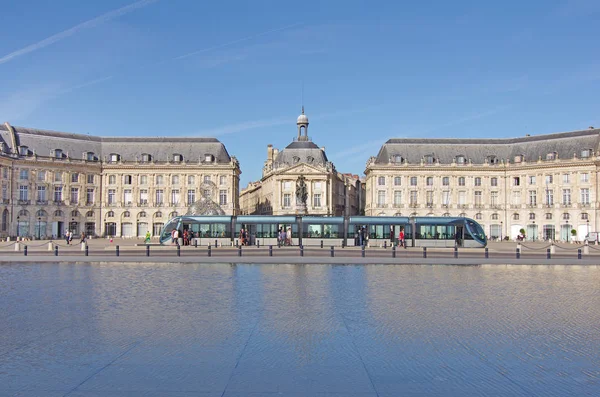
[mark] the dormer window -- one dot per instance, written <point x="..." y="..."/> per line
<point x="23" y="150"/>
<point x="310" y="159"/>
<point x="177" y="158"/>
<point x="492" y="159"/>
<point x="146" y="158"/>
<point x="296" y="159"/>
<point x="586" y="153"/>
<point x="3" y="147"/>
<point x="429" y="159"/>
<point x="519" y="158"/>
<point x="461" y="159"/>
<point x="90" y="156"/>
<point x="209" y="158"/>
<point x="58" y="153"/>
<point x="551" y="156"/>
<point x="398" y="159"/>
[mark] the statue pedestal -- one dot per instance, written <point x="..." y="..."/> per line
<point x="300" y="209"/>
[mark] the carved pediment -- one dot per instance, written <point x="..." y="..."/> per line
<point x="305" y="169"/>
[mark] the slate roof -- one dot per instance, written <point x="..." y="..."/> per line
<point x="44" y="142"/>
<point x="304" y="151"/>
<point x="566" y="145"/>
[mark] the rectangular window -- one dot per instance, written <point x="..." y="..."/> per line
<point x="90" y="178"/>
<point x="477" y="181"/>
<point x="222" y="180"/>
<point x="127" y="179"/>
<point x="429" y="181"/>
<point x="397" y="181"/>
<point x="381" y="181"/>
<point x="446" y="197"/>
<point x="74" y="177"/>
<point x="191" y="196"/>
<point x="89" y="196"/>
<point x="532" y="198"/>
<point x="41" y="176"/>
<point x="23" y="192"/>
<point x="58" y="177"/>
<point x="585" y="196"/>
<point x="4" y="192"/>
<point x="462" y="198"/>
<point x="549" y="197"/>
<point x="143" y="196"/>
<point x="175" y="197"/>
<point x="112" y="196"/>
<point x="206" y="178"/>
<point x="566" y="178"/>
<point x="191" y="179"/>
<point x="24" y="175"/>
<point x="461" y="181"/>
<point x="317" y="200"/>
<point x="414" y="195"/>
<point x="446" y="181"/>
<point x="143" y="179"/>
<point x="566" y="200"/>
<point x="585" y="177"/>
<point x="549" y="179"/>
<point x="494" y="181"/>
<point x="516" y="181"/>
<point x="397" y="197"/>
<point x="532" y="180"/>
<point x="159" y="180"/>
<point x="5" y="173"/>
<point x="516" y="198"/>
<point x="127" y="196"/>
<point x="380" y="198"/>
<point x="413" y="181"/>
<point x="41" y="194"/>
<point x="74" y="195"/>
<point x="112" y="179"/>
<point x="429" y="198"/>
<point x="494" y="198"/>
<point x="287" y="200"/>
<point x="58" y="190"/>
<point x="478" y="198"/>
<point x="287" y="185"/>
<point x="160" y="196"/>
<point x="317" y="185"/>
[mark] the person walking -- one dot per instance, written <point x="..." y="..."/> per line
<point x="67" y="237"/>
<point x="147" y="240"/>
<point x="288" y="236"/>
<point x="401" y="241"/>
<point x="82" y="238"/>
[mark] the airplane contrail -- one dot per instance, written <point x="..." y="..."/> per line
<point x="69" y="32"/>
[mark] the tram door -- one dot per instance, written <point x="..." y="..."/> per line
<point x="459" y="236"/>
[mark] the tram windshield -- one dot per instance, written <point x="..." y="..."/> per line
<point x="165" y="236"/>
<point x="476" y="230"/>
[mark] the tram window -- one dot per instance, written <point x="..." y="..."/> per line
<point x="436" y="232"/>
<point x="379" y="231"/>
<point x="322" y="231"/>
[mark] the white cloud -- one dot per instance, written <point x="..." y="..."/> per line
<point x="69" y="32"/>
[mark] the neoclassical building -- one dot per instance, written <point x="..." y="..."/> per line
<point x="55" y="181"/>
<point x="330" y="193"/>
<point x="545" y="184"/>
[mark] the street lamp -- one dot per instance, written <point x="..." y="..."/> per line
<point x="18" y="225"/>
<point x="588" y="229"/>
<point x="72" y="225"/>
<point x="39" y="227"/>
<point x="501" y="228"/>
<point x="534" y="231"/>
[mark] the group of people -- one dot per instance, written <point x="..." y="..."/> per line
<point x="187" y="236"/>
<point x="69" y="237"/>
<point x="244" y="240"/>
<point x="284" y="237"/>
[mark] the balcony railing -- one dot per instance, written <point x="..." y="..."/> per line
<point x="74" y="202"/>
<point x="143" y="203"/>
<point x="5" y="201"/>
<point x="398" y="205"/>
<point x="566" y="205"/>
<point x="479" y="206"/>
<point x="515" y="206"/>
<point x="58" y="202"/>
<point x="413" y="205"/>
<point x="89" y="203"/>
<point x="42" y="202"/>
<point x="24" y="202"/>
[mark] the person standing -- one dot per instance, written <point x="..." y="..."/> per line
<point x="67" y="237"/>
<point x="288" y="236"/>
<point x="147" y="237"/>
<point x="82" y="237"/>
<point x="401" y="241"/>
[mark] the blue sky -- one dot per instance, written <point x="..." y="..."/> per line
<point x="371" y="70"/>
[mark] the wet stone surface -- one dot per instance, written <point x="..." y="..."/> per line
<point x="298" y="330"/>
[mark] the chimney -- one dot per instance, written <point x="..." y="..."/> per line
<point x="323" y="148"/>
<point x="269" y="153"/>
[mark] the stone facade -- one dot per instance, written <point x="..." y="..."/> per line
<point x="330" y="193"/>
<point x="53" y="182"/>
<point x="545" y="184"/>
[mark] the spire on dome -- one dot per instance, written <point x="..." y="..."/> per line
<point x="302" y="123"/>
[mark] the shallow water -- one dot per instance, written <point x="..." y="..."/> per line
<point x="298" y="330"/>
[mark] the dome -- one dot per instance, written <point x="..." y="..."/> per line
<point x="302" y="119"/>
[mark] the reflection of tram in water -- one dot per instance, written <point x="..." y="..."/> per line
<point x="336" y="231"/>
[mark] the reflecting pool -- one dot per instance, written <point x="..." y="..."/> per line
<point x="298" y="330"/>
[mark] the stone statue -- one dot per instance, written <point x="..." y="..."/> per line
<point x="301" y="190"/>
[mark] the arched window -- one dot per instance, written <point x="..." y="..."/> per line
<point x="584" y="216"/>
<point x="516" y="217"/>
<point x="548" y="215"/>
<point x="461" y="181"/>
<point x="446" y="214"/>
<point x="23" y="213"/>
<point x="462" y="215"/>
<point x="551" y="156"/>
<point x="158" y="214"/>
<point x="146" y="158"/>
<point x="110" y="214"/>
<point x="175" y="179"/>
<point x="127" y="179"/>
<point x="142" y="214"/>
<point x="58" y="213"/>
<point x="532" y="216"/>
<point x="159" y="179"/>
<point x="177" y="158"/>
<point x="173" y="214"/>
<point x="494" y="217"/>
<point x="398" y="159"/>
<point x="398" y="214"/>
<point x="74" y="213"/>
<point x="89" y="214"/>
<point x="429" y="181"/>
<point x="41" y="213"/>
<point x="126" y="214"/>
<point x="478" y="216"/>
<point x="478" y="181"/>
<point x="566" y="216"/>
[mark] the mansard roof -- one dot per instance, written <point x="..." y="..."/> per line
<point x="44" y="142"/>
<point x="566" y="145"/>
<point x="301" y="152"/>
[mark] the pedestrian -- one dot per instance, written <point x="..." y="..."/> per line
<point x="147" y="237"/>
<point x="288" y="236"/>
<point x="401" y="241"/>
<point x="173" y="236"/>
<point x="82" y="237"/>
<point x="279" y="237"/>
<point x="67" y="237"/>
<point x="176" y="236"/>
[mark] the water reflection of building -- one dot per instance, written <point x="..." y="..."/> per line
<point x="545" y="184"/>
<point x="329" y="191"/>
<point x="55" y="181"/>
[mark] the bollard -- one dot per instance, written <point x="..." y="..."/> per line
<point x="209" y="251"/>
<point x="578" y="253"/>
<point x="393" y="251"/>
<point x="321" y="243"/>
<point x="87" y="251"/>
<point x="17" y="246"/>
<point x="178" y="250"/>
<point x="552" y="248"/>
<point x="424" y="252"/>
<point x="257" y="243"/>
<point x="270" y="250"/>
<point x="82" y="246"/>
<point x="332" y="255"/>
<point x="518" y="253"/>
<point x="301" y="250"/>
<point x="487" y="253"/>
<point x="385" y="244"/>
<point x="236" y="243"/>
<point x="343" y="244"/>
<point x="548" y="254"/>
<point x="216" y="245"/>
<point x="117" y="250"/>
<point x="239" y="250"/>
<point x="50" y="246"/>
<point x="56" y="250"/>
<point x="25" y="251"/>
<point x="456" y="252"/>
<point x="363" y="251"/>
<point x="147" y="250"/>
<point x="586" y="248"/>
<point x="195" y="243"/>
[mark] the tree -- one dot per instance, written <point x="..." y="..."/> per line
<point x="522" y="231"/>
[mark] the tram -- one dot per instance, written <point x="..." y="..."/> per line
<point x="380" y="231"/>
